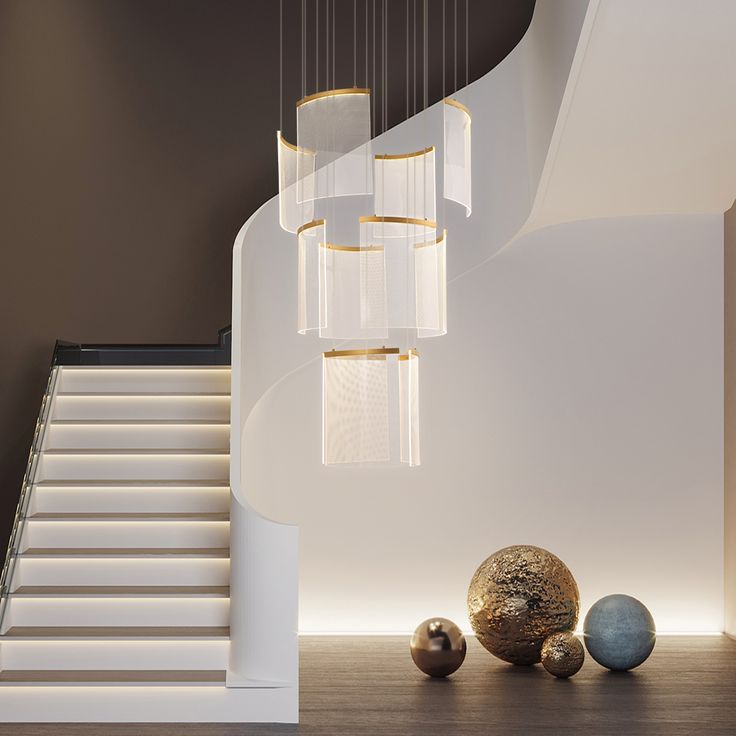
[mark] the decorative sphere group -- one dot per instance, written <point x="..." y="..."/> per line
<point x="523" y="606"/>
<point x="438" y="647"/>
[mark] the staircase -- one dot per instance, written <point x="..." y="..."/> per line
<point x="117" y="604"/>
<point x="126" y="536"/>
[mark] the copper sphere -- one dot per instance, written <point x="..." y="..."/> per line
<point x="517" y="598"/>
<point x="438" y="647"/>
<point x="562" y="654"/>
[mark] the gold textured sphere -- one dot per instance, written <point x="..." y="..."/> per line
<point x="438" y="647"/>
<point x="517" y="598"/>
<point x="562" y="654"/>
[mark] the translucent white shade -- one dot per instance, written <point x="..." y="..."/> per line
<point x="296" y="171"/>
<point x="458" y="175"/>
<point x="405" y="185"/>
<point x="371" y="407"/>
<point x="337" y="125"/>
<point x="341" y="290"/>
<point x="414" y="272"/>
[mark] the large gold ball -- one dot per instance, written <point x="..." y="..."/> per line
<point x="562" y="654"/>
<point x="438" y="647"/>
<point x="517" y="598"/>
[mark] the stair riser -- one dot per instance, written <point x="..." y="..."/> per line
<point x="145" y="380"/>
<point x="137" y="437"/>
<point x="118" y="611"/>
<point x="133" y="468"/>
<point x="76" y="654"/>
<point x="126" y="534"/>
<point x="143" y="408"/>
<point x="121" y="571"/>
<point x="122" y="499"/>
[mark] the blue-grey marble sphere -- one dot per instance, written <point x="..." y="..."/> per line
<point x="619" y="632"/>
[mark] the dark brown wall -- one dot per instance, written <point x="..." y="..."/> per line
<point x="136" y="136"/>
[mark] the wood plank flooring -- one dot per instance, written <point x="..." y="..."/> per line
<point x="368" y="686"/>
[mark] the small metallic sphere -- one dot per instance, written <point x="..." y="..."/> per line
<point x="438" y="647"/>
<point x="562" y="654"/>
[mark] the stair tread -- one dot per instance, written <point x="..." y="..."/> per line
<point x="118" y="590"/>
<point x="133" y="483"/>
<point x="146" y="422"/>
<point x="141" y="451"/>
<point x="126" y="551"/>
<point x="130" y="516"/>
<point x="145" y="394"/>
<point x="92" y="632"/>
<point x="75" y="676"/>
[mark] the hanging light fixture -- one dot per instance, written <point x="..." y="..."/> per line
<point x="393" y="274"/>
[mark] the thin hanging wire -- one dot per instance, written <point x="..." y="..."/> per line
<point x="426" y="55"/>
<point x="454" y="28"/>
<point x="444" y="88"/>
<point x="316" y="47"/>
<point x="334" y="84"/>
<point x="366" y="47"/>
<point x="304" y="44"/>
<point x="407" y="59"/>
<point x="281" y="65"/>
<point x="355" y="43"/>
<point x="414" y="70"/>
<point x="467" y="76"/>
<point x="375" y="132"/>
<point x="327" y="44"/>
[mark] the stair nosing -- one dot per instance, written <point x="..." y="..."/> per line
<point x="130" y="516"/>
<point x="181" y="552"/>
<point x="128" y="632"/>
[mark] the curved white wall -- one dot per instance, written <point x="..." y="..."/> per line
<point x="576" y="402"/>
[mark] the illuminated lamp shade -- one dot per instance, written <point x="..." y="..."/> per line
<point x="341" y="289"/>
<point x="414" y="271"/>
<point x="371" y="407"/>
<point x="337" y="125"/>
<point x="296" y="206"/>
<point x="405" y="185"/>
<point x="458" y="175"/>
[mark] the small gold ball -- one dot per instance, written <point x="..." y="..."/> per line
<point x="562" y="654"/>
<point x="438" y="647"/>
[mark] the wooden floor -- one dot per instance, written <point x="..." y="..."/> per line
<point x="369" y="686"/>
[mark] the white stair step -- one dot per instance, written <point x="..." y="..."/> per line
<point x="31" y="571"/>
<point x="131" y="436"/>
<point x="40" y="534"/>
<point x="144" y="380"/>
<point x="113" y="678"/>
<point x="134" y="466"/>
<point x="117" y="611"/>
<point x="192" y="653"/>
<point x="183" y="407"/>
<point x="131" y="499"/>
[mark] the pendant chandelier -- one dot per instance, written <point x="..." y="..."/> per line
<point x="364" y="279"/>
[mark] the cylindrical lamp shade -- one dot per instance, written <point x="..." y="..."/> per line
<point x="405" y="185"/>
<point x="341" y="290"/>
<point x="337" y="125"/>
<point x="371" y="407"/>
<point x="458" y="174"/>
<point x="414" y="272"/>
<point x="296" y="177"/>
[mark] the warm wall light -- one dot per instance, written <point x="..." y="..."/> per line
<point x="371" y="407"/>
